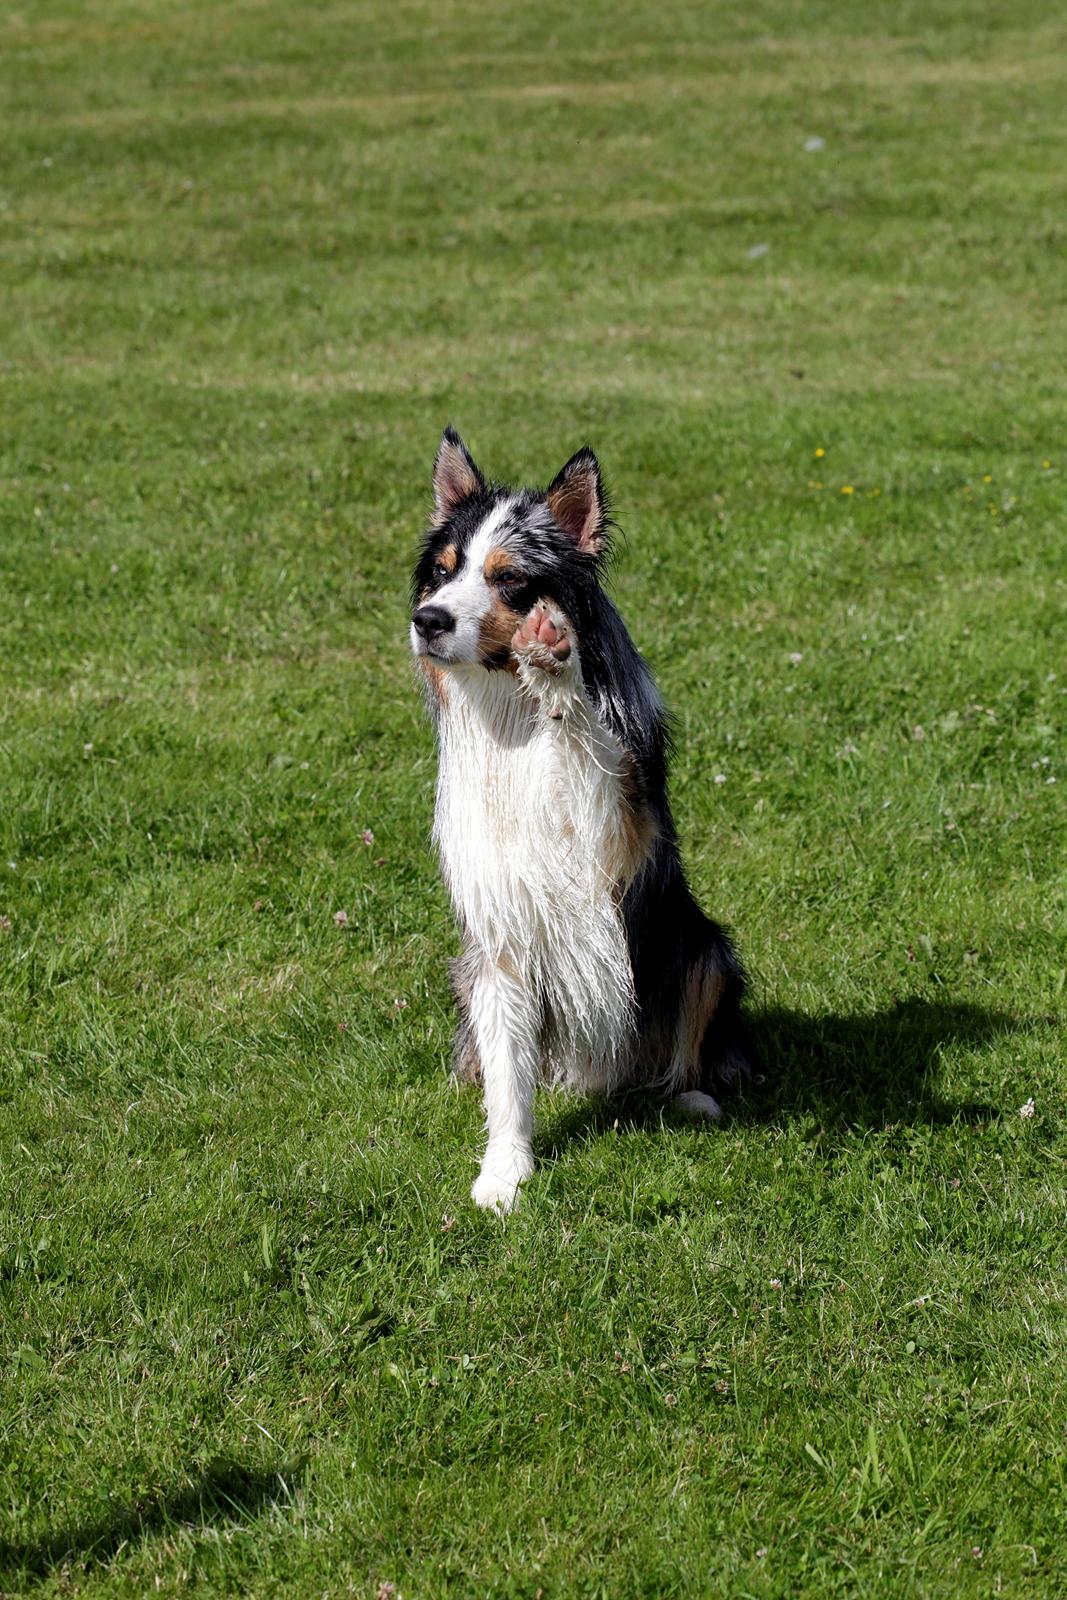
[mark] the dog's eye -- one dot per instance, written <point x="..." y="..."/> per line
<point x="508" y="578"/>
<point x="440" y="571"/>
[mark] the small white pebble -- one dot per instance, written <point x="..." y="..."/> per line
<point x="720" y="777"/>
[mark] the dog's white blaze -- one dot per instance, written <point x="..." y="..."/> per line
<point x="469" y="595"/>
<point x="528" y="809"/>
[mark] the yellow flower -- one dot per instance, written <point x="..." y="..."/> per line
<point x="988" y="478"/>
<point x="1046" y="465"/>
<point x="820" y="452"/>
<point x="846" y="488"/>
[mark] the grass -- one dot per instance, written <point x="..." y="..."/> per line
<point x="254" y="1337"/>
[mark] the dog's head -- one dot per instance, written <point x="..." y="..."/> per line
<point x="492" y="552"/>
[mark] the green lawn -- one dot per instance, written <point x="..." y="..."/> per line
<point x="253" y="1336"/>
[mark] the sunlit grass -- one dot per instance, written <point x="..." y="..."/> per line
<point x="796" y="274"/>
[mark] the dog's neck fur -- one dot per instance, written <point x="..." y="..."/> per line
<point x="529" y="817"/>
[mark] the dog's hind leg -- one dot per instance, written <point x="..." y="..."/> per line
<point x="505" y="1020"/>
<point x="701" y="991"/>
<point x="709" y="1043"/>
<point x="698" y="1106"/>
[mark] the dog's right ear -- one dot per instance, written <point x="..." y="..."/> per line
<point x="455" y="476"/>
<point x="577" y="500"/>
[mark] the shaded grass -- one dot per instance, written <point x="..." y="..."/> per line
<point x="254" y="1338"/>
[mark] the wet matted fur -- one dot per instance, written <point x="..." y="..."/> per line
<point x="586" y="959"/>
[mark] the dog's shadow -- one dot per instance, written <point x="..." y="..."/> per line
<point x="225" y="1492"/>
<point x="860" y="1071"/>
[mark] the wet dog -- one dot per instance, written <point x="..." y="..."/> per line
<point x="586" y="959"/>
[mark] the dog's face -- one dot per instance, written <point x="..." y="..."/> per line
<point x="491" y="553"/>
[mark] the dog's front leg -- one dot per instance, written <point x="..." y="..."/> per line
<point x="548" y="666"/>
<point x="506" y="1021"/>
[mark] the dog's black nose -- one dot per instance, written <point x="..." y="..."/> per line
<point x="430" y="621"/>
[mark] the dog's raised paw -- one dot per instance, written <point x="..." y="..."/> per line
<point x="544" y="639"/>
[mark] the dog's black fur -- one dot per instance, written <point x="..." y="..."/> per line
<point x="669" y="937"/>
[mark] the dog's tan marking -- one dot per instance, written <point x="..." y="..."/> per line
<point x="449" y="558"/>
<point x="495" y="633"/>
<point x="497" y="561"/>
<point x="636" y="833"/>
<point x="435" y="680"/>
<point x="702" y="993"/>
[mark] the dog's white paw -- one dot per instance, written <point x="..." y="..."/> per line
<point x="699" y="1107"/>
<point x="496" y="1188"/>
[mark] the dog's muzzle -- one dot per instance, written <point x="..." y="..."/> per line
<point x="431" y="623"/>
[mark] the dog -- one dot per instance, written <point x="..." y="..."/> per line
<point x="586" y="960"/>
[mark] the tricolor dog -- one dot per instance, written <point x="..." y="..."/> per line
<point x="586" y="959"/>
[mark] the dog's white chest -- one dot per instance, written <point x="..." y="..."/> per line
<point x="527" y="809"/>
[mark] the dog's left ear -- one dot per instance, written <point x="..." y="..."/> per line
<point x="577" y="501"/>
